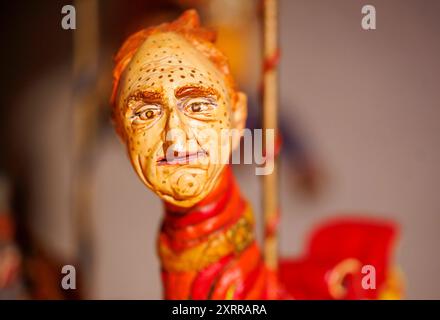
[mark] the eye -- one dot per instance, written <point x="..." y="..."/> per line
<point x="145" y="114"/>
<point x="202" y="108"/>
<point x="196" y="107"/>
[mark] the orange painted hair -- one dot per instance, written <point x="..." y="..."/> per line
<point x="188" y="26"/>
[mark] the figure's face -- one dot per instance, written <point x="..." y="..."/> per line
<point x="173" y="104"/>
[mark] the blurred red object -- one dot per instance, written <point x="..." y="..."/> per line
<point x="332" y="266"/>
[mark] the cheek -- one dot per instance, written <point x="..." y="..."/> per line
<point x="222" y="121"/>
<point x="142" y="142"/>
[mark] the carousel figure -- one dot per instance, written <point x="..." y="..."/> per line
<point x="173" y="94"/>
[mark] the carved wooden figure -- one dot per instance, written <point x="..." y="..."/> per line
<point x="171" y="87"/>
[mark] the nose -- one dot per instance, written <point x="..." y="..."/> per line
<point x="175" y="135"/>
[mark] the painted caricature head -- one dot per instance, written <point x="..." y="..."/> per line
<point x="173" y="95"/>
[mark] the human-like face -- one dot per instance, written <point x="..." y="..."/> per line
<point x="173" y="104"/>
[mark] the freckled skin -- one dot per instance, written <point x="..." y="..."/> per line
<point x="152" y="100"/>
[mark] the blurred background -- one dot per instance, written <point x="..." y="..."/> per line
<point x="360" y="122"/>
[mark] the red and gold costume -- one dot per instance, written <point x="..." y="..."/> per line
<point x="209" y="252"/>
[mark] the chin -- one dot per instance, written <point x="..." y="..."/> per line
<point x="152" y="178"/>
<point x="188" y="202"/>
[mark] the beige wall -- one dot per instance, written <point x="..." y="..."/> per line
<point x="369" y="102"/>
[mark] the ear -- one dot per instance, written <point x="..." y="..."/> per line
<point x="239" y="115"/>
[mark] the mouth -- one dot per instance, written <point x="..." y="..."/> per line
<point x="181" y="158"/>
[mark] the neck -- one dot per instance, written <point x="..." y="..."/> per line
<point x="215" y="208"/>
<point x="197" y="244"/>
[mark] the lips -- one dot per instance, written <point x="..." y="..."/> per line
<point x="181" y="159"/>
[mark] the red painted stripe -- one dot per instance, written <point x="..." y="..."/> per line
<point x="204" y="281"/>
<point x="249" y="282"/>
<point x="179" y="220"/>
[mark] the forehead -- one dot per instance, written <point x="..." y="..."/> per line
<point x="166" y="62"/>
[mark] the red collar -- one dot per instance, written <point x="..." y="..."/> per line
<point x="212" y="205"/>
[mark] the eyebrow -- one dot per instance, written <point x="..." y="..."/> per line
<point x="195" y="91"/>
<point x="147" y="96"/>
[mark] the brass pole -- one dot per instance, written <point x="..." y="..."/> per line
<point x="270" y="116"/>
